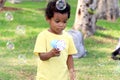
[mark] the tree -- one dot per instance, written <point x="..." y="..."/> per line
<point x="88" y="11"/>
<point x="108" y="9"/>
<point x="84" y="19"/>
<point x="2" y="2"/>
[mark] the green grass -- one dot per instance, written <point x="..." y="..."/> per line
<point x="97" y="65"/>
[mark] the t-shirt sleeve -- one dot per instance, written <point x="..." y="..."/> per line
<point x="72" y="49"/>
<point x="40" y="44"/>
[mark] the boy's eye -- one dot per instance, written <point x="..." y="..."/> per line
<point x="65" y="21"/>
<point x="57" y="21"/>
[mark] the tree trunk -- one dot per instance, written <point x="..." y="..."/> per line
<point x="108" y="9"/>
<point x="2" y="2"/>
<point x="88" y="11"/>
<point x="112" y="10"/>
<point x="85" y="19"/>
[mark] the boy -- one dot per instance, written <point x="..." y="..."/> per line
<point x="55" y="46"/>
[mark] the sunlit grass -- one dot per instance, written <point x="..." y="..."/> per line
<point x="97" y="65"/>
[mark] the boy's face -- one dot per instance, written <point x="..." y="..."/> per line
<point x="58" y="22"/>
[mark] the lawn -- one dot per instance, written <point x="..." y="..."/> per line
<point x="17" y="61"/>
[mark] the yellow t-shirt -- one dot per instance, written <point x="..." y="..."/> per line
<point x="55" y="68"/>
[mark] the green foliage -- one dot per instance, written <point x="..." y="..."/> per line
<point x="97" y="65"/>
<point x="91" y="11"/>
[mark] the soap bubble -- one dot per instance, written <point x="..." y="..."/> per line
<point x="9" y="16"/>
<point x="61" y="4"/>
<point x="20" y="30"/>
<point x="21" y="58"/>
<point x="10" y="45"/>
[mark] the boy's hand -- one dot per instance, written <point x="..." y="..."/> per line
<point x="55" y="52"/>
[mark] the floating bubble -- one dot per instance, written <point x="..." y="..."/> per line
<point x="10" y="45"/>
<point x="20" y="30"/>
<point x="9" y="16"/>
<point x="61" y="4"/>
<point x="21" y="58"/>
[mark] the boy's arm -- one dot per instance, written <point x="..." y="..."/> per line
<point x="70" y="65"/>
<point x="45" y="56"/>
<point x="48" y="55"/>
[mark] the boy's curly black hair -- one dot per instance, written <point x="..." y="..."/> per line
<point x="51" y="9"/>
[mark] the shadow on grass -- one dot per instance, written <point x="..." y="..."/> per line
<point x="107" y="36"/>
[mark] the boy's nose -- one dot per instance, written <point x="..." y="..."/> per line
<point x="61" y="24"/>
